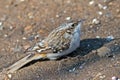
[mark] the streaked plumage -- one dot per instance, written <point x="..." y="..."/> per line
<point x="60" y="42"/>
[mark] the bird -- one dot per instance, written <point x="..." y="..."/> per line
<point x="62" y="41"/>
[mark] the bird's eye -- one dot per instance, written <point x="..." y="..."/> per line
<point x="74" y="24"/>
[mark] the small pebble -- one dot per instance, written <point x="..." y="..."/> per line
<point x="100" y="13"/>
<point x="5" y="35"/>
<point x="24" y="38"/>
<point x="72" y="70"/>
<point x="114" y="78"/>
<point x="109" y="38"/>
<point x="110" y="3"/>
<point x="17" y="40"/>
<point x="94" y="51"/>
<point x="97" y="36"/>
<point x="64" y="11"/>
<point x="91" y="2"/>
<point x="22" y="0"/>
<point x="68" y="1"/>
<point x="57" y="16"/>
<point x="30" y="15"/>
<point x="1" y="26"/>
<point x="104" y="7"/>
<point x="11" y="27"/>
<point x="9" y="75"/>
<point x="68" y="18"/>
<point x="100" y="6"/>
<point x="82" y="65"/>
<point x="0" y="23"/>
<point x="102" y="76"/>
<point x="118" y="10"/>
<point x="91" y="26"/>
<point x="95" y="21"/>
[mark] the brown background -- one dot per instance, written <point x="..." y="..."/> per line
<point x="24" y="22"/>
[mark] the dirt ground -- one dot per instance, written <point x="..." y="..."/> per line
<point x="25" y="22"/>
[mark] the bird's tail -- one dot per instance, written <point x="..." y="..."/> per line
<point x="17" y="65"/>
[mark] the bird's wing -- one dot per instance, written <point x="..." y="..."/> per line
<point x="59" y="40"/>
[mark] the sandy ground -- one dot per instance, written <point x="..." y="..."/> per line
<point x="24" y="22"/>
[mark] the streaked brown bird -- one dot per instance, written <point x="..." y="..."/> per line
<point x="60" y="42"/>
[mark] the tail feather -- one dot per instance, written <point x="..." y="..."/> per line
<point x="23" y="62"/>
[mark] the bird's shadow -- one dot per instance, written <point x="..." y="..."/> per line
<point x="86" y="46"/>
